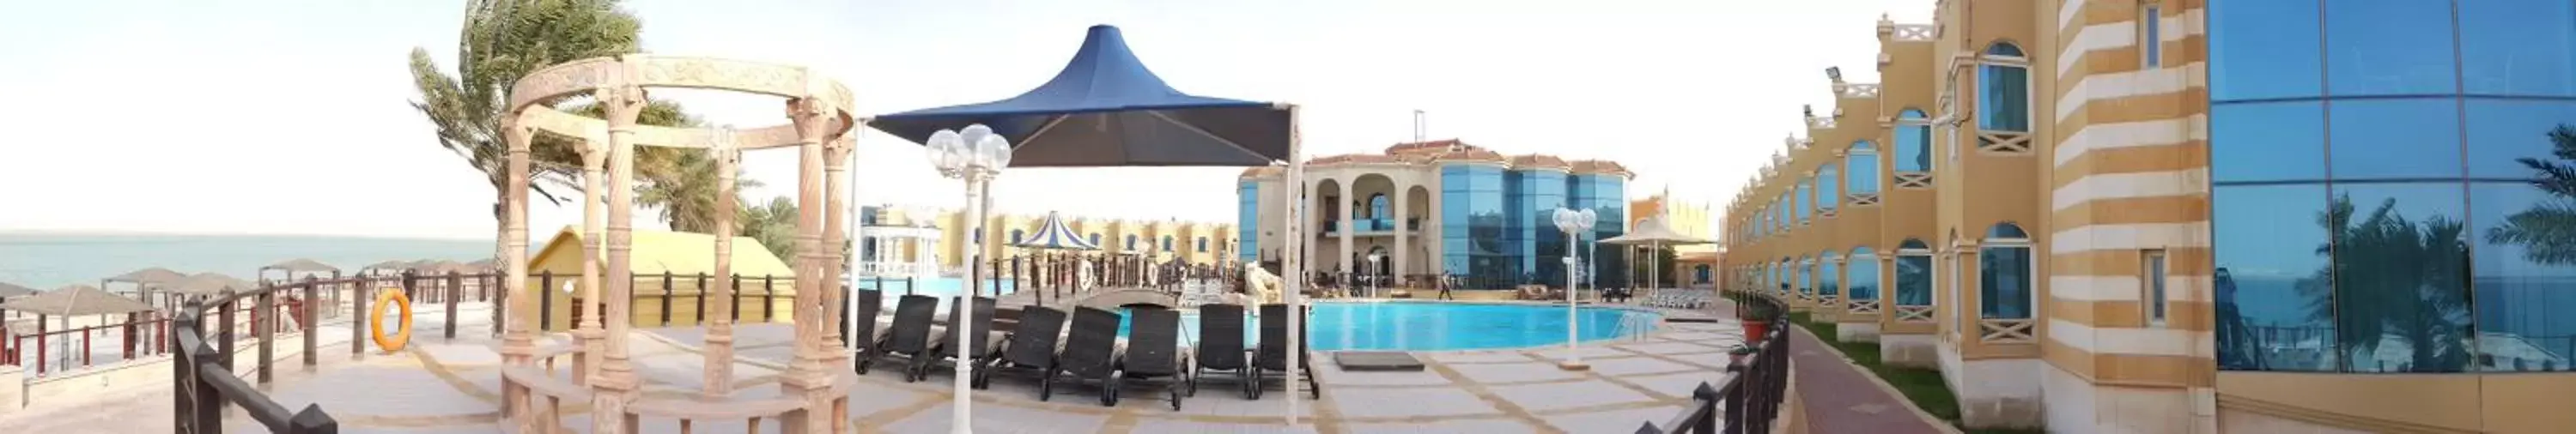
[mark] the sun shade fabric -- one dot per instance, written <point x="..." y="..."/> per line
<point x="301" y="266"/>
<point x="1054" y="235"/>
<point x="211" y="284"/>
<point x="1107" y="109"/>
<point x="1653" y="231"/>
<point x="75" y="300"/>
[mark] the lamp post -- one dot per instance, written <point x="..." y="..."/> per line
<point x="976" y="156"/>
<point x="1374" y="270"/>
<point x="1572" y="222"/>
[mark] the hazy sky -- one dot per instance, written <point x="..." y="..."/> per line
<point x="292" y="116"/>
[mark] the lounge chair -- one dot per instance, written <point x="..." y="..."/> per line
<point x="1153" y="352"/>
<point x="1030" y="346"/>
<point x="1220" y="347"/>
<point x="946" y="347"/>
<point x="870" y="303"/>
<point x="1089" y="352"/>
<point x="909" y="336"/>
<point x="1273" y="353"/>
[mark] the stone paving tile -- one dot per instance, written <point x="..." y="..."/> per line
<point x="1669" y="348"/>
<point x="1514" y="372"/>
<point x="869" y="399"/>
<point x="1159" y="426"/>
<point x="1614" y="421"/>
<point x="1678" y="385"/>
<point x="1588" y="352"/>
<point x="1638" y="365"/>
<point x="1441" y="401"/>
<point x="481" y="378"/>
<point x="1272" y="404"/>
<point x="1552" y="396"/>
<point x="1479" y="426"/>
<point x="1702" y="337"/>
<point x="1712" y="360"/>
<point x="380" y="391"/>
<point x="1478" y="357"/>
<point x="1331" y="375"/>
<point x="461" y="355"/>
<point x="1001" y="419"/>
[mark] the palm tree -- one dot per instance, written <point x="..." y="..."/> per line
<point x="2547" y="231"/>
<point x="686" y="192"/>
<point x="773" y="224"/>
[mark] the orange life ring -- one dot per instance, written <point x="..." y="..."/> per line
<point x="392" y="297"/>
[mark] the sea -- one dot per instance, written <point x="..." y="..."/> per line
<point x="47" y="261"/>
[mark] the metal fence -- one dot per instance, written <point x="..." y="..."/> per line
<point x="1749" y="399"/>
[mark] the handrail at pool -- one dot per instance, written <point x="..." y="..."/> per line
<point x="1750" y="398"/>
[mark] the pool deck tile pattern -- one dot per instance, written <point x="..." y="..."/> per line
<point x="442" y="386"/>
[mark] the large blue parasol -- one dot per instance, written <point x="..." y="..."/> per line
<point x="1106" y="109"/>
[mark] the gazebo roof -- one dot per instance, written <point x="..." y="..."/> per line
<point x="13" y="290"/>
<point x="76" y="300"/>
<point x="1053" y="234"/>
<point x="301" y="265"/>
<point x="211" y="283"/>
<point x="1653" y="231"/>
<point x="150" y="276"/>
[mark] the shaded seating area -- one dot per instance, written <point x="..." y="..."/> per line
<point x="1221" y="349"/>
<point x="1089" y="354"/>
<point x="1030" y="348"/>
<point x="1272" y="354"/>
<point x="908" y="336"/>
<point x="979" y="320"/>
<point x="1153" y="354"/>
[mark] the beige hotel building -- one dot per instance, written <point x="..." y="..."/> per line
<point x="2191" y="216"/>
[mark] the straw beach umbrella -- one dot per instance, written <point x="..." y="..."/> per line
<point x="8" y="290"/>
<point x="1652" y="232"/>
<point x="144" y="281"/>
<point x="210" y="283"/>
<point x="386" y="267"/>
<point x="292" y="267"/>
<point x="76" y="300"/>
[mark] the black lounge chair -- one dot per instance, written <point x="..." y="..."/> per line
<point x="1030" y="346"/>
<point x="1273" y="353"/>
<point x="1089" y="352"/>
<point x="946" y="347"/>
<point x="1153" y="352"/>
<point x="870" y="303"/>
<point x="1220" y="347"/>
<point x="909" y="336"/>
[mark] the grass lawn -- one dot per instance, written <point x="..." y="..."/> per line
<point x="1923" y="386"/>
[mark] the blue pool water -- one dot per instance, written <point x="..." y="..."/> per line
<point x="1418" y="326"/>
<point x="942" y="287"/>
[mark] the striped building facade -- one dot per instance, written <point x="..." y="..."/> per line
<point x="2157" y="216"/>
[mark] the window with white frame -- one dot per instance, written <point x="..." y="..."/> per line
<point x="2152" y="287"/>
<point x="2003" y="89"/>
<point x="2151" y="37"/>
<point x="2004" y="279"/>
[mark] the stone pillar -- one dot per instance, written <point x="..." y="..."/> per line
<point x="809" y="375"/>
<point x="719" y="342"/>
<point x="519" y="344"/>
<point x="1401" y="233"/>
<point x="836" y="219"/>
<point x="616" y="383"/>
<point x="1343" y="214"/>
<point x="594" y="239"/>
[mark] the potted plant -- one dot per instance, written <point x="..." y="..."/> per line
<point x="1757" y="314"/>
<point x="1736" y="355"/>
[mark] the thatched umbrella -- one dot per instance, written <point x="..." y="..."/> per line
<point x="8" y="290"/>
<point x="211" y="283"/>
<point x="145" y="280"/>
<point x="76" y="300"/>
<point x="439" y="266"/>
<point x="395" y="266"/>
<point x="297" y="266"/>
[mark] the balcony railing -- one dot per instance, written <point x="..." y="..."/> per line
<point x="1750" y="397"/>
<point x="1370" y="225"/>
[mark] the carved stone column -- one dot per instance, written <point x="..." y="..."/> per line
<point x="836" y="192"/>
<point x="719" y="350"/>
<point x="594" y="240"/>
<point x="1402" y="231"/>
<point x="519" y="343"/>
<point x="617" y="384"/>
<point x="809" y="375"/>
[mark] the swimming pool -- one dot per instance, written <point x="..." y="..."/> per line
<point x="942" y="287"/>
<point x="1433" y="326"/>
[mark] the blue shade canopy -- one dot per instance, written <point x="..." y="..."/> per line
<point x="1106" y="109"/>
<point x="1054" y="235"/>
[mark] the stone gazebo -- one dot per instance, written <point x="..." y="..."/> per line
<point x="813" y="394"/>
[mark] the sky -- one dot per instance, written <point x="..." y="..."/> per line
<point x="293" y="116"/>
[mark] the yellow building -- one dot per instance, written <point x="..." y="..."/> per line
<point x="1688" y="218"/>
<point x="1417" y="207"/>
<point x="938" y="236"/>
<point x="2172" y="216"/>
<point x="555" y="272"/>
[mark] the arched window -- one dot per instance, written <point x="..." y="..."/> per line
<point x="2004" y="277"/>
<point x="1095" y="239"/>
<point x="1202" y="244"/>
<point x="1862" y="169"/>
<point x="1378" y="206"/>
<point x="1913" y="141"/>
<point x="1016" y="236"/>
<point x="1807" y="278"/>
<point x="1804" y="200"/>
<point x="2003" y="90"/>
<point x="1826" y="195"/>
<point x="1914" y="274"/>
<point x="1167" y="243"/>
<point x="1829" y="277"/>
<point x="1131" y="242"/>
<point x="1862" y="283"/>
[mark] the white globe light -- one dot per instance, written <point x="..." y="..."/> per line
<point x="1585" y="218"/>
<point x="994" y="150"/>
<point x="975" y="134"/>
<point x="944" y="149"/>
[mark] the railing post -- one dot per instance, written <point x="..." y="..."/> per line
<point x="312" y="421"/>
<point x="359" y="320"/>
<point x="767" y="291"/>
<point x="263" y="320"/>
<point x="734" y="303"/>
<point x="183" y="364"/>
<point x="455" y="287"/>
<point x="666" y="298"/>
<point x="702" y="298"/>
<point x="305" y="317"/>
<point x="224" y="344"/>
<point x="545" y="301"/>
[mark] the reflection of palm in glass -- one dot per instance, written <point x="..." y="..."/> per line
<point x="1914" y="280"/>
<point x="2547" y="234"/>
<point x="2398" y="289"/>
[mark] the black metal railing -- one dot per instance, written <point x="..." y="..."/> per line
<point x="1749" y="399"/>
<point x="203" y="371"/>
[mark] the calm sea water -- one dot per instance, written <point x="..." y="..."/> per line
<point x="1420" y="326"/>
<point x="46" y="261"/>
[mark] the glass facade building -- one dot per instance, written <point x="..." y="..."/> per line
<point x="1509" y="234"/>
<point x="2389" y="185"/>
<point x="1248" y="220"/>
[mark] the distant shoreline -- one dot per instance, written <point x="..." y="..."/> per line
<point x="142" y="233"/>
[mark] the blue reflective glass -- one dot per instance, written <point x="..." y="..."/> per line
<point x="1829" y="276"/>
<point x="2502" y="132"/>
<point x="1247" y="224"/>
<point x="1806" y="198"/>
<point x="2395" y="138"/>
<point x="1862" y="277"/>
<point x="2524" y="277"/>
<point x="1914" y="280"/>
<point x="2389" y="47"/>
<point x="2518" y="47"/>
<point x="2004" y="280"/>
<point x="2401" y="263"/>
<point x="1863" y="170"/>
<point x="2273" y="141"/>
<point x="2264" y="50"/>
<point x="1913" y="142"/>
<point x="1807" y="279"/>
<point x="2003" y="98"/>
<point x="1827" y="196"/>
<point x="2273" y="299"/>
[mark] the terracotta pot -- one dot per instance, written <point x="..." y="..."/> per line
<point x="1755" y="329"/>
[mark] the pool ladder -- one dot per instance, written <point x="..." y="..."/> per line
<point x="1635" y="327"/>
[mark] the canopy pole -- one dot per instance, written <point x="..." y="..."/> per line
<point x="1295" y="267"/>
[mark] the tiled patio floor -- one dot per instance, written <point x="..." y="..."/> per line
<point x="452" y="387"/>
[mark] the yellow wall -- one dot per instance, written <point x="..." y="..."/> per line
<point x="562" y="257"/>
